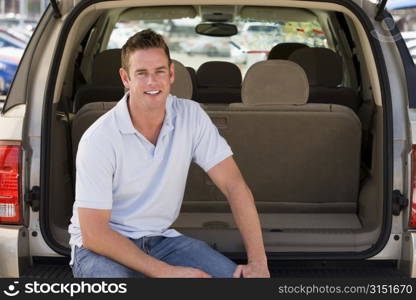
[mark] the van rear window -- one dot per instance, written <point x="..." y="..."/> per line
<point x="252" y="43"/>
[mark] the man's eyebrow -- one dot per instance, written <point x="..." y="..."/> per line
<point x="145" y="70"/>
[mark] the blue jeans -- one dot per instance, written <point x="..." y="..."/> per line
<point x="178" y="251"/>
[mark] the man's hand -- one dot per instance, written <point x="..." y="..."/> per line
<point x="184" y="272"/>
<point x="252" y="270"/>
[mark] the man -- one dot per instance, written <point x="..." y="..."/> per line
<point x="132" y="166"/>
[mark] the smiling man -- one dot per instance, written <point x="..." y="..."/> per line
<point x="132" y="166"/>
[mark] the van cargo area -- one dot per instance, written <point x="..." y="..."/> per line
<point x="318" y="171"/>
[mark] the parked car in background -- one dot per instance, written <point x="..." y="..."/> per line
<point x="20" y="33"/>
<point x="412" y="49"/>
<point x="9" y="60"/>
<point x="10" y="20"/>
<point x="120" y="35"/>
<point x="254" y="42"/>
<point x="255" y="30"/>
<point x="209" y="46"/>
<point x="14" y="36"/>
<point x="9" y="40"/>
<point x="260" y="36"/>
<point x="409" y="36"/>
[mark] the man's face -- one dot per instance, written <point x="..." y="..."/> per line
<point x="149" y="77"/>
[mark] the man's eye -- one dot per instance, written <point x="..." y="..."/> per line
<point x="161" y="72"/>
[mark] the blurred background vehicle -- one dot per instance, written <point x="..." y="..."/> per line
<point x="11" y="20"/>
<point x="9" y="60"/>
<point x="209" y="46"/>
<point x="8" y="39"/>
<point x="18" y="20"/>
<point x="412" y="48"/>
<point x="409" y="36"/>
<point x="404" y="14"/>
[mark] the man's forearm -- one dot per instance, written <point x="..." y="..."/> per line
<point x="247" y="220"/>
<point x="115" y="246"/>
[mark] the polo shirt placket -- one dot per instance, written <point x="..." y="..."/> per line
<point x="153" y="151"/>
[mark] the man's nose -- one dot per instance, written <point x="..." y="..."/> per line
<point x="151" y="78"/>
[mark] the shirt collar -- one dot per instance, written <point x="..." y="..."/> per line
<point x="125" y="123"/>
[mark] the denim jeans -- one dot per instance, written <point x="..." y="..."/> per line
<point x="178" y="251"/>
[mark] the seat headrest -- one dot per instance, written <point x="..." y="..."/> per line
<point x="218" y="74"/>
<point x="105" y="68"/>
<point x="182" y="86"/>
<point x="275" y="82"/>
<point x="322" y="66"/>
<point x="284" y="50"/>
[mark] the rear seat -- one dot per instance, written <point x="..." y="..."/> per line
<point x="105" y="83"/>
<point x="284" y="50"/>
<point x="182" y="87"/>
<point x="85" y="117"/>
<point x="324" y="70"/>
<point x="295" y="157"/>
<point x="192" y="72"/>
<point x="107" y="86"/>
<point x="218" y="82"/>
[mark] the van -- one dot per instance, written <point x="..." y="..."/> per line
<point x="324" y="136"/>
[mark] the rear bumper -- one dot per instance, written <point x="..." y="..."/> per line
<point x="58" y="269"/>
<point x="14" y="251"/>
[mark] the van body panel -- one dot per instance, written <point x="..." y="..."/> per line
<point x="11" y="123"/>
<point x="14" y="251"/>
<point x="408" y="262"/>
<point x="38" y="246"/>
<point x="392" y="250"/>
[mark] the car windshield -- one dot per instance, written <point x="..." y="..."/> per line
<point x="252" y="43"/>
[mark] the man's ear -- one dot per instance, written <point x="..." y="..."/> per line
<point x="124" y="78"/>
<point x="172" y="72"/>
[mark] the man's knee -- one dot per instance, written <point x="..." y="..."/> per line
<point x="208" y="259"/>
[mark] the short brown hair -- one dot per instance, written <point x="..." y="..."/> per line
<point x="144" y="39"/>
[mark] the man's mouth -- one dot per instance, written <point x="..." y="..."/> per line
<point x="155" y="92"/>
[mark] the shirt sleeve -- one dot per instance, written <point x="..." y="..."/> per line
<point x="210" y="148"/>
<point x="94" y="176"/>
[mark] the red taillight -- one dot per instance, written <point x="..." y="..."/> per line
<point x="412" y="221"/>
<point x="10" y="208"/>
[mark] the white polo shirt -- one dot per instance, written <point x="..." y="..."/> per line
<point x="117" y="168"/>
